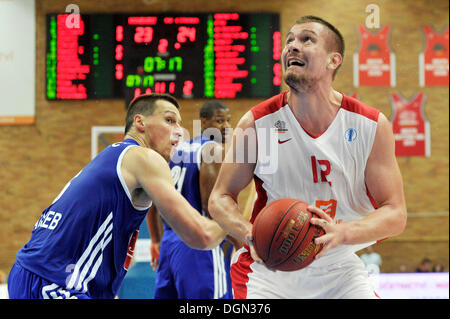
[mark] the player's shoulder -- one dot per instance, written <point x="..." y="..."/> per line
<point x="269" y="106"/>
<point x="358" y="107"/>
<point x="143" y="156"/>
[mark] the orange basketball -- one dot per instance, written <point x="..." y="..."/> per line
<point x="284" y="237"/>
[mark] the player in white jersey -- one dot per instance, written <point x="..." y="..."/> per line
<point x="320" y="146"/>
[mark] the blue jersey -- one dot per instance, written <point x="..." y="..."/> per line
<point x="183" y="272"/>
<point x="185" y="168"/>
<point x="81" y="240"/>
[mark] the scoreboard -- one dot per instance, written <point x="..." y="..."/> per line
<point x="207" y="55"/>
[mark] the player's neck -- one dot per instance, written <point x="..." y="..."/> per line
<point x="137" y="138"/>
<point x="315" y="110"/>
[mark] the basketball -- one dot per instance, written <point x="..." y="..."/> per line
<point x="283" y="235"/>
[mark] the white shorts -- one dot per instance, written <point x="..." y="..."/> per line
<point x="346" y="279"/>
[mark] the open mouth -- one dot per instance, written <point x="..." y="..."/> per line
<point x="295" y="62"/>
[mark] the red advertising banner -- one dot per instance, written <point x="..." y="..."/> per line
<point x="433" y="61"/>
<point x="374" y="63"/>
<point x="410" y="125"/>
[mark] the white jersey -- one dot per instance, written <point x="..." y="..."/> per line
<point x="326" y="171"/>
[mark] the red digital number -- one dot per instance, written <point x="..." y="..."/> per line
<point x="119" y="33"/>
<point x="143" y="35"/>
<point x="119" y="71"/>
<point x="160" y="87"/>
<point x="137" y="92"/>
<point x="184" y="33"/>
<point x="171" y="87"/>
<point x="276" y="74"/>
<point x="162" y="46"/>
<point x="119" y="52"/>
<point x="187" y="88"/>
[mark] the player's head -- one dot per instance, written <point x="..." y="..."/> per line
<point x="314" y="50"/>
<point x="155" y="119"/>
<point x="215" y="115"/>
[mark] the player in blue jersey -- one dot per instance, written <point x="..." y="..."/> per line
<point x="183" y="272"/>
<point x="83" y="242"/>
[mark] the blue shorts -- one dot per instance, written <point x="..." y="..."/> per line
<point x="23" y="284"/>
<point x="186" y="273"/>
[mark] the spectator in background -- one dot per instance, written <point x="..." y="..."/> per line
<point x="425" y="265"/>
<point x="438" y="268"/>
<point x="402" y="268"/>
<point x="372" y="260"/>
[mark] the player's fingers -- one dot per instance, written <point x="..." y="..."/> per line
<point x="324" y="239"/>
<point x="257" y="258"/>
<point x="328" y="242"/>
<point x="320" y="222"/>
<point x="320" y="213"/>
<point x="325" y="248"/>
<point x="321" y="253"/>
<point x="255" y="255"/>
<point x="154" y="264"/>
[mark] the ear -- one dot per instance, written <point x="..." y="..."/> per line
<point x="203" y="121"/>
<point x="334" y="60"/>
<point x="139" y="123"/>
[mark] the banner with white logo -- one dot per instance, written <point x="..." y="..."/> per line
<point x="17" y="62"/>
<point x="374" y="63"/>
<point x="433" y="61"/>
<point x="410" y="125"/>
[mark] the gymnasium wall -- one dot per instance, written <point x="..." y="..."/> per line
<point x="37" y="160"/>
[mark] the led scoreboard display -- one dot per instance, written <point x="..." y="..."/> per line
<point x="208" y="55"/>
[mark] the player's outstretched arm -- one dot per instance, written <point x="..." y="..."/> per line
<point x="146" y="169"/>
<point x="212" y="159"/>
<point x="384" y="182"/>
<point x="233" y="177"/>
<point x="154" y="227"/>
<point x="209" y="170"/>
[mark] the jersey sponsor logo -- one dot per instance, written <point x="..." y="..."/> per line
<point x="351" y="134"/>
<point x="328" y="206"/>
<point x="281" y="142"/>
<point x="280" y="126"/>
<point x="48" y="220"/>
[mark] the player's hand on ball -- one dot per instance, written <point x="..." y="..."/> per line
<point x="253" y="252"/>
<point x="334" y="233"/>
